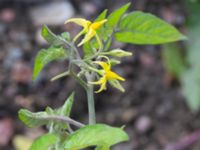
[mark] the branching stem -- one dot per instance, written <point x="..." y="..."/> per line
<point x="65" y="119"/>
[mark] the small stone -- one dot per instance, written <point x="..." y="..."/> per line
<point x="2" y="28"/>
<point x="14" y="53"/>
<point x="147" y="60"/>
<point x="88" y="8"/>
<point x="7" y="15"/>
<point x="143" y="124"/>
<point x="25" y="102"/>
<point x="129" y="115"/>
<point x="53" y="13"/>
<point x="6" y="131"/>
<point x="21" y="72"/>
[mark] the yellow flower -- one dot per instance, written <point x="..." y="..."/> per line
<point x="89" y="29"/>
<point x="108" y="74"/>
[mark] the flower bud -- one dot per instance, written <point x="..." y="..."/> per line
<point x="119" y="53"/>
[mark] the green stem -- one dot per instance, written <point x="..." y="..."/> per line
<point x="91" y="105"/>
<point x="60" y="75"/>
<point x="79" y="80"/>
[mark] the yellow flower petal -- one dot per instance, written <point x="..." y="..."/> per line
<point x="97" y="25"/>
<point x="99" y="41"/>
<point x="78" y="35"/>
<point x="80" y="21"/>
<point x="90" y="34"/>
<point x="102" y="87"/>
<point x="104" y="65"/>
<point x="112" y="75"/>
<point x="100" y="81"/>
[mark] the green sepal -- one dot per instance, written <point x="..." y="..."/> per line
<point x="114" y="62"/>
<point x="116" y="84"/>
<point x="118" y="53"/>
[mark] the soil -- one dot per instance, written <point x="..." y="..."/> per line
<point x="153" y="108"/>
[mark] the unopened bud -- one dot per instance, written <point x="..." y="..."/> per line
<point x="119" y="53"/>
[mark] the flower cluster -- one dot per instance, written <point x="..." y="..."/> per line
<point x="90" y="31"/>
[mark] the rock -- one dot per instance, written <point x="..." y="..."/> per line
<point x="6" y="131"/>
<point x="2" y="28"/>
<point x="19" y="36"/>
<point x="14" y="53"/>
<point x="53" y="13"/>
<point x="21" y="72"/>
<point x="22" y="142"/>
<point x="88" y="8"/>
<point x="143" y="124"/>
<point x="7" y="15"/>
<point x="129" y="115"/>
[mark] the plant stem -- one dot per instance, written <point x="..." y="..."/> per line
<point x="91" y="106"/>
<point x="60" y="75"/>
<point x="65" y="119"/>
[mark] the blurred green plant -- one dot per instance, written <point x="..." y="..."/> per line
<point x="186" y="67"/>
<point x="134" y="27"/>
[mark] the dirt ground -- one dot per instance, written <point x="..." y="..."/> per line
<point x="152" y="108"/>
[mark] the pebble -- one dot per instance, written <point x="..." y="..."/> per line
<point x="143" y="124"/>
<point x="2" y="28"/>
<point x="129" y="115"/>
<point x="14" y="53"/>
<point x="88" y="8"/>
<point x="7" y="15"/>
<point x="21" y="72"/>
<point x="53" y="13"/>
<point x="6" y="131"/>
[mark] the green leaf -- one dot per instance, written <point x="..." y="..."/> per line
<point x="102" y="148"/>
<point x="65" y="110"/>
<point x="32" y="119"/>
<point x="115" y="16"/>
<point x="44" y="142"/>
<point x="66" y="36"/>
<point x="45" y="56"/>
<point x="173" y="60"/>
<point x="113" y="19"/>
<point x="89" y="48"/>
<point x="190" y="79"/>
<point x="144" y="28"/>
<point x="95" y="135"/>
<point x="101" y="16"/>
<point x="191" y="88"/>
<point x="50" y="37"/>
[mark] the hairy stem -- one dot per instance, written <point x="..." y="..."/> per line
<point x="79" y="80"/>
<point x="91" y="105"/>
<point x="65" y="119"/>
